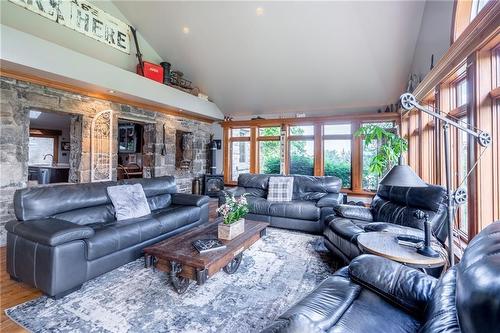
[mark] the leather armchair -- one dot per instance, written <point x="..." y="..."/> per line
<point x="374" y="294"/>
<point x="393" y="210"/>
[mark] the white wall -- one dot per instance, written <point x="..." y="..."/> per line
<point x="434" y="36"/>
<point x="21" y="19"/>
<point x="217" y="131"/>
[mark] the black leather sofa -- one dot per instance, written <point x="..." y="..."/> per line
<point x="392" y="209"/>
<point x="67" y="234"/>
<point x="313" y="200"/>
<point x="374" y="294"/>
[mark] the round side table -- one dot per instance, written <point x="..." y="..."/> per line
<point x="386" y="245"/>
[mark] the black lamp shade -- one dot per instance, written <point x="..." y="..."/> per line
<point x="402" y="176"/>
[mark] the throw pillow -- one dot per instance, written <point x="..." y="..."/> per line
<point x="280" y="189"/>
<point x="129" y="201"/>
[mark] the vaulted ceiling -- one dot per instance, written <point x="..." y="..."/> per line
<point x="283" y="58"/>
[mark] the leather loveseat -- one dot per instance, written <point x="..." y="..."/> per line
<point x="374" y="294"/>
<point x="68" y="234"/>
<point x="392" y="209"/>
<point x="313" y="200"/>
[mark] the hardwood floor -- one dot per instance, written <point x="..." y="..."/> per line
<point x="13" y="293"/>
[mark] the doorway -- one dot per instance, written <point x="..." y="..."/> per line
<point x="54" y="146"/>
<point x="130" y="150"/>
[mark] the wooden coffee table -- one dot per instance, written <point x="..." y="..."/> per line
<point x="184" y="263"/>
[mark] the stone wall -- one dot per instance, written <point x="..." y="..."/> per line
<point x="18" y="97"/>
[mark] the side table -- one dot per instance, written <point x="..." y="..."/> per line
<point x="386" y="245"/>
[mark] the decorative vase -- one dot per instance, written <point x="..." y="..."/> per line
<point x="231" y="231"/>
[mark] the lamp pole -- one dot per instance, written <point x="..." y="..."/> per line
<point x="409" y="102"/>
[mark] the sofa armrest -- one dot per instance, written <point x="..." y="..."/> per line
<point x="354" y="212"/>
<point x="189" y="199"/>
<point x="234" y="191"/>
<point x="49" y="231"/>
<point x="330" y="200"/>
<point x="404" y="286"/>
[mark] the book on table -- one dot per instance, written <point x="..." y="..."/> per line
<point x="208" y="245"/>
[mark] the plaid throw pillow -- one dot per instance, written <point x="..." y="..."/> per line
<point x="280" y="189"/>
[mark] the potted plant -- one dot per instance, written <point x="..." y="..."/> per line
<point x="233" y="214"/>
<point x="390" y="147"/>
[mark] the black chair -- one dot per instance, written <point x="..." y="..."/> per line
<point x="392" y="209"/>
<point x="374" y="294"/>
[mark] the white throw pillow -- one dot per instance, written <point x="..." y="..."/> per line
<point x="129" y="201"/>
<point x="280" y="189"/>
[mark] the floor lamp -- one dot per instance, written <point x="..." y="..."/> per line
<point x="402" y="175"/>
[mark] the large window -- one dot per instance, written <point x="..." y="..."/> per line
<point x="337" y="152"/>
<point x="240" y="152"/>
<point x="40" y="148"/>
<point x="269" y="150"/>
<point x="369" y="179"/>
<point x="463" y="169"/>
<point x="301" y="147"/>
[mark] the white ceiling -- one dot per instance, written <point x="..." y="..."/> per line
<point x="312" y="57"/>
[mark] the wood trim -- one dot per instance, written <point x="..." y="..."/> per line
<point x="107" y="97"/>
<point x="485" y="25"/>
<point x="254" y="159"/>
<point x="319" y="168"/>
<point x="356" y="160"/>
<point x="495" y="93"/>
<point x="384" y="116"/>
<point x="461" y="17"/>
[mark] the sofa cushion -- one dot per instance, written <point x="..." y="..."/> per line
<point x="129" y="201"/>
<point x="314" y="188"/>
<point x="297" y="209"/>
<point x="118" y="235"/>
<point x="176" y="216"/>
<point x="259" y="206"/>
<point x="280" y="189"/>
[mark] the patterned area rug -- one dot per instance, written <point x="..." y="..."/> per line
<point x="275" y="272"/>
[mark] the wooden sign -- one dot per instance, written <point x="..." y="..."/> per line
<point x="83" y="17"/>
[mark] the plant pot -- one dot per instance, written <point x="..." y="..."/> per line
<point x="231" y="231"/>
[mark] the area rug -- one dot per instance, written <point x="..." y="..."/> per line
<point x="276" y="271"/>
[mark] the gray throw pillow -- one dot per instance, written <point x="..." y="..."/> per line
<point x="129" y="201"/>
<point x="280" y="189"/>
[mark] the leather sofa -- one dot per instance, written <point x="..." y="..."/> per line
<point x="313" y="200"/>
<point x="392" y="209"/>
<point x="374" y="294"/>
<point x="68" y="234"/>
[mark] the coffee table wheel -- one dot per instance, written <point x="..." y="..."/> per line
<point x="179" y="283"/>
<point x="233" y="265"/>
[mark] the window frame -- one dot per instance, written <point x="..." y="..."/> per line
<point x="318" y="139"/>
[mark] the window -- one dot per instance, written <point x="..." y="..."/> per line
<point x="240" y="152"/>
<point x="301" y="150"/>
<point x="370" y="180"/>
<point x="337" y="152"/>
<point x="240" y="158"/>
<point x="477" y="5"/>
<point x="39" y="147"/>
<point x="269" y="150"/>
<point x="337" y="159"/>
<point x="460" y="89"/>
<point x="302" y="130"/>
<point x="302" y="157"/>
<point x="462" y="164"/>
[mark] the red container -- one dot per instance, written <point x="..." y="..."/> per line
<point x="151" y="71"/>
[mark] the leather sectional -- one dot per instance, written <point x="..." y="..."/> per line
<point x="67" y="234"/>
<point x="392" y="209"/>
<point x="313" y="200"/>
<point x="374" y="294"/>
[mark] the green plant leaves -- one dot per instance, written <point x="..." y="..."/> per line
<point x="391" y="146"/>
